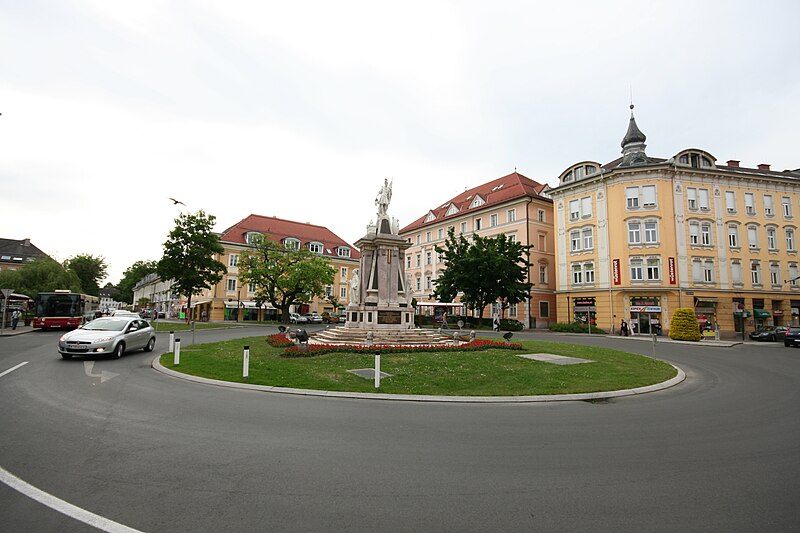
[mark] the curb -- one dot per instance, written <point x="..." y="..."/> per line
<point x="156" y="365"/>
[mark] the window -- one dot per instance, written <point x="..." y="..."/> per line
<point x="512" y="237"/>
<point x="632" y="197"/>
<point x="586" y="206"/>
<point x="477" y="202"/>
<point x="493" y="220"/>
<point x="512" y="311"/>
<point x="541" y="215"/>
<point x="653" y="268"/>
<point x="575" y="239"/>
<point x="752" y="237"/>
<point x="697" y="270"/>
<point x="580" y="208"/>
<point x="730" y="201"/>
<point x="749" y="203"/>
<point x="649" y="195"/>
<point x="651" y="232"/>
<point x="343" y="273"/>
<point x="771" y="238"/>
<point x="542" y="242"/>
<point x="733" y="235"/>
<point x="328" y="291"/>
<point x="428" y="258"/>
<point x="789" y="232"/>
<point x="691" y="197"/>
<point x="694" y="233"/>
<point x="588" y="272"/>
<point x="787" y="206"/>
<point x="708" y="271"/>
<point x="419" y="239"/>
<point x="440" y="234"/>
<point x="251" y="288"/>
<point x="233" y="260"/>
<point x="769" y="208"/>
<point x="736" y="273"/>
<point x="705" y="234"/>
<point x="431" y="217"/>
<point x="477" y="224"/>
<point x="419" y="260"/>
<point x="231" y="285"/>
<point x="755" y="273"/>
<point x="253" y="237"/>
<point x="637" y="267"/>
<point x="343" y="251"/>
<point x="634" y="232"/>
<point x="588" y="239"/>
<point x="315" y="247"/>
<point x="577" y="273"/>
<point x="419" y="284"/>
<point x="452" y="210"/>
<point x="408" y="261"/>
<point x="463" y="227"/>
<point x="343" y="292"/>
<point x="774" y="274"/>
<point x="427" y="282"/>
<point x="793" y="274"/>
<point x="544" y="309"/>
<point x="291" y="243"/>
<point x="702" y="199"/>
<point x="427" y="236"/>
<point x="574" y="209"/>
<point x="543" y="274"/>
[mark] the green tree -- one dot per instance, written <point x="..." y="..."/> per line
<point x="284" y="276"/>
<point x="42" y="275"/>
<point x="188" y="258"/>
<point x="684" y="325"/>
<point x="484" y="270"/>
<point x="90" y="270"/>
<point x="132" y="276"/>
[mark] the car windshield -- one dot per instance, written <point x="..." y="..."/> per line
<point x="106" y="324"/>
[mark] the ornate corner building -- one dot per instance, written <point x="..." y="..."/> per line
<point x="641" y="236"/>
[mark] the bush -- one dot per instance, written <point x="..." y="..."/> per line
<point x="576" y="328"/>
<point x="475" y="346"/>
<point x="509" y="324"/>
<point x="683" y="326"/>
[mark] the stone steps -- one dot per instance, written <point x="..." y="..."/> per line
<point x="344" y="335"/>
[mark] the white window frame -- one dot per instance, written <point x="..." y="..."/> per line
<point x="649" y="198"/>
<point x="651" y="233"/>
<point x="575" y="240"/>
<point x="749" y="203"/>
<point x="737" y="273"/>
<point x="752" y="237"/>
<point x="790" y="240"/>
<point x="588" y="238"/>
<point x="634" y="232"/>
<point x="769" y="205"/>
<point x="730" y="201"/>
<point x="511" y="215"/>
<point x="636" y="269"/>
<point x="632" y="197"/>
<point x="733" y="236"/>
<point x="787" y="206"/>
<point x="705" y="234"/>
<point x="233" y="260"/>
<point x="771" y="238"/>
<point x="653" y="268"/>
<point x="755" y="273"/>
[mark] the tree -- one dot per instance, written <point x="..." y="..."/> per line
<point x="284" y="276"/>
<point x="483" y="270"/>
<point x="684" y="325"/>
<point x="90" y="270"/>
<point x="188" y="258"/>
<point x="132" y="276"/>
<point x="42" y="275"/>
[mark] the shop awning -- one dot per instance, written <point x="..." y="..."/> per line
<point x="761" y="313"/>
<point x="199" y="302"/>
<point x="247" y="304"/>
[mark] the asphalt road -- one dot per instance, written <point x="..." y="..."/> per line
<point x="719" y="452"/>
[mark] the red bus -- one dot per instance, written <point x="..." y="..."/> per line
<point x="64" y="309"/>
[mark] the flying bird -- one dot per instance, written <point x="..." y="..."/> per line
<point x="176" y="202"/>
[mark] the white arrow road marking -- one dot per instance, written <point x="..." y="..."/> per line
<point x="103" y="375"/>
<point x="87" y="517"/>
<point x="13" y="368"/>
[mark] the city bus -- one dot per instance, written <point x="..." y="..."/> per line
<point x="64" y="309"/>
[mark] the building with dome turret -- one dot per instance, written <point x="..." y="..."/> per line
<point x="641" y="236"/>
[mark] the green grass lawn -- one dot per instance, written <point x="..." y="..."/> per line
<point x="487" y="373"/>
<point x="183" y="326"/>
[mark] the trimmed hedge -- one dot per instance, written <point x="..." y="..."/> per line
<point x="474" y="346"/>
<point x="573" y="327"/>
<point x="683" y="326"/>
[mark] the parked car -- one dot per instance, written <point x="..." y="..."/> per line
<point x="769" y="334"/>
<point x="314" y="318"/>
<point x="108" y="335"/>
<point x="792" y="336"/>
<point x="124" y="313"/>
<point x="295" y="318"/>
<point x="148" y="313"/>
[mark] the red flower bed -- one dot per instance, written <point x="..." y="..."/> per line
<point x="474" y="346"/>
<point x="279" y="341"/>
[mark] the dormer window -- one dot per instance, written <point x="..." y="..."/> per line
<point x="291" y="243"/>
<point x="452" y="210"/>
<point x="253" y="237"/>
<point x="477" y="202"/>
<point x="431" y="217"/>
<point x="696" y="159"/>
<point x="316" y="247"/>
<point x="343" y="251"/>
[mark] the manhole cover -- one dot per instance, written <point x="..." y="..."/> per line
<point x="555" y="359"/>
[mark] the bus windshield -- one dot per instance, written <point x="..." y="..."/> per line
<point x="59" y="305"/>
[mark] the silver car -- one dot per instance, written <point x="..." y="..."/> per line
<point x="109" y="335"/>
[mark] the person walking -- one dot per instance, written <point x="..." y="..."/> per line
<point x="15" y="318"/>
<point x="623" y="328"/>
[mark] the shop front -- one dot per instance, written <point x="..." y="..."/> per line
<point x="584" y="310"/>
<point x="705" y="309"/>
<point x="762" y="317"/>
<point x="645" y="315"/>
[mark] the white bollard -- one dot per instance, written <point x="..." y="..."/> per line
<point x="171" y="341"/>
<point x="177" y="360"/>
<point x="377" y="370"/>
<point x="246" y="363"/>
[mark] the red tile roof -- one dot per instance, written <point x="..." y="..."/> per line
<point x="279" y="229"/>
<point x="494" y="192"/>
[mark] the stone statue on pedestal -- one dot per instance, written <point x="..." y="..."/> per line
<point x="383" y="198"/>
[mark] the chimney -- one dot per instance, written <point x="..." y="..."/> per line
<point x="733" y="163"/>
<point x="26" y="242"/>
<point x="763" y="166"/>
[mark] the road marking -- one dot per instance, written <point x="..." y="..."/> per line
<point x="13" y="368"/>
<point x="57" y="504"/>
<point x="103" y="375"/>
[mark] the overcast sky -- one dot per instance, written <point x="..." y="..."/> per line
<point x="300" y="109"/>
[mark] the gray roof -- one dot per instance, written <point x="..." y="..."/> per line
<point x="19" y="251"/>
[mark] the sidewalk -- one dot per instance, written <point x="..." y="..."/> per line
<point x="8" y="332"/>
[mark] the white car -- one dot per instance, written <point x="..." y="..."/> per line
<point x="295" y="318"/>
<point x="109" y="335"/>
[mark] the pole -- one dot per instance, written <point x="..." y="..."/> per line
<point x="171" y="341"/>
<point x="377" y="370"/>
<point x="246" y="363"/>
<point x="6" y="294"/>
<point x="177" y="359"/>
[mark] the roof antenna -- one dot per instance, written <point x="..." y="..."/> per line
<point x="631" y="89"/>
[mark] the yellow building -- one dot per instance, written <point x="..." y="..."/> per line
<point x="230" y="300"/>
<point x="641" y="236"/>
<point x="514" y="205"/>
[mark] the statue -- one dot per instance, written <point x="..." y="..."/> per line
<point x="354" y="286"/>
<point x="408" y="291"/>
<point x="383" y="198"/>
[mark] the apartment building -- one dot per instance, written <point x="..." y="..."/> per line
<point x="642" y="236"/>
<point x="232" y="300"/>
<point x="514" y="205"/>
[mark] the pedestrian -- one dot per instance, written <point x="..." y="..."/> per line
<point x="623" y="328"/>
<point x="496" y="322"/>
<point x="15" y="318"/>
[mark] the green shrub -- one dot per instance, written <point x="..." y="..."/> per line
<point x="509" y="324"/>
<point x="573" y="327"/>
<point x="683" y="326"/>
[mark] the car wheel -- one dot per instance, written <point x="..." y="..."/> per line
<point x="787" y="344"/>
<point x="119" y="350"/>
<point x="150" y="345"/>
<point x="66" y="355"/>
